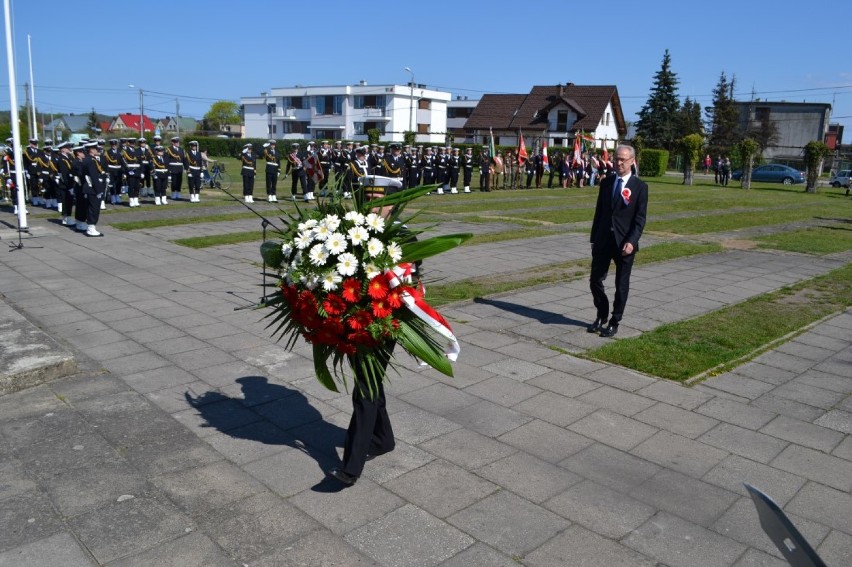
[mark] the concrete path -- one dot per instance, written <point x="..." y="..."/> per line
<point x="190" y="438"/>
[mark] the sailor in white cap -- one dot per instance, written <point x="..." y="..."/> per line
<point x="195" y="165"/>
<point x="296" y="168"/>
<point x="94" y="187"/>
<point x="160" y="174"/>
<point x="176" y="160"/>
<point x="273" y="169"/>
<point x="249" y="168"/>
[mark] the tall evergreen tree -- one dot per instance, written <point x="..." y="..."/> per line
<point x="658" y="119"/>
<point x="689" y="118"/>
<point x="723" y="117"/>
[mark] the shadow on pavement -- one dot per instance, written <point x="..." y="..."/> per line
<point x="540" y="315"/>
<point x="296" y="423"/>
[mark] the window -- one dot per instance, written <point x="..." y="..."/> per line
<point x="761" y="113"/>
<point x="562" y="121"/>
<point x="330" y="104"/>
<point x="294" y="127"/>
<point x="296" y="102"/>
<point x="607" y="119"/>
<point x="270" y="108"/>
<point x="272" y="128"/>
<point x="361" y="128"/>
<point x="327" y="134"/>
<point x="558" y="142"/>
<point x="458" y="112"/>
<point x="424" y="104"/>
<point x="422" y="128"/>
<point x="369" y="101"/>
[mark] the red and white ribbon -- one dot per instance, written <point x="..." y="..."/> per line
<point x="422" y="310"/>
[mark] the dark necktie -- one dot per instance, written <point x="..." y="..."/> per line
<point x="617" y="189"/>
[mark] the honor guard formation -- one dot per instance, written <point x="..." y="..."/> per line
<point x="78" y="180"/>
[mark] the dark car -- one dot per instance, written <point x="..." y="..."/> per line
<point x="773" y="173"/>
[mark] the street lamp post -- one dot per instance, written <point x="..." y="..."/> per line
<point x="411" y="101"/>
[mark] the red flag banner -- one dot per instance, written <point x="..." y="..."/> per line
<point x="544" y="159"/>
<point x="522" y="151"/>
<point x="313" y="168"/>
<point x="577" y="153"/>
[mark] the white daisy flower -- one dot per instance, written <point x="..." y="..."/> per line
<point x="347" y="264"/>
<point x="332" y="222"/>
<point x="308" y="224"/>
<point x="318" y="255"/>
<point x="303" y="240"/>
<point x="286" y="249"/>
<point x="375" y="247"/>
<point x="331" y="280"/>
<point x="375" y="222"/>
<point x="336" y="243"/>
<point x="355" y="218"/>
<point x="372" y="270"/>
<point x="321" y="232"/>
<point x="358" y="235"/>
<point x="394" y="251"/>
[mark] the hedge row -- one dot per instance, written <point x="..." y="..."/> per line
<point x="652" y="163"/>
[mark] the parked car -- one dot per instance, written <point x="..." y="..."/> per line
<point x="773" y="173"/>
<point x="841" y="178"/>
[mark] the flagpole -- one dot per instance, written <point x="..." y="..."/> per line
<point x="16" y="128"/>
<point x="32" y="87"/>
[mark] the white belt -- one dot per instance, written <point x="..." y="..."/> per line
<point x="194" y="167"/>
<point x="161" y="170"/>
<point x="133" y="165"/>
<point x="248" y="167"/>
<point x="114" y="166"/>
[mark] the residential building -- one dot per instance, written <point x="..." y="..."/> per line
<point x="127" y="122"/>
<point x="172" y="126"/>
<point x="347" y="112"/>
<point x="797" y="123"/>
<point x="554" y="114"/>
<point x="69" y="125"/>
<point x="458" y="111"/>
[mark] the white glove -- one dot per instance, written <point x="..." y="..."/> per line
<point x="141" y="176"/>
<point x="76" y="179"/>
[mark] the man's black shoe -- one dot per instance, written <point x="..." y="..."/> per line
<point x="610" y="331"/>
<point x="596" y="327"/>
<point x="343" y="477"/>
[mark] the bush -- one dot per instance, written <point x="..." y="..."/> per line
<point x="652" y="163"/>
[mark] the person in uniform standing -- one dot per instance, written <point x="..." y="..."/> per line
<point x="65" y="182"/>
<point x="325" y="160"/>
<point x="358" y="167"/>
<point x="195" y="167"/>
<point x="393" y="165"/>
<point x="94" y="187"/>
<point x="273" y="169"/>
<point x="248" y="161"/>
<point x="455" y="167"/>
<point x="296" y="168"/>
<point x="112" y="157"/>
<point x="427" y="165"/>
<point x="467" y="165"/>
<point x="442" y="166"/>
<point x="131" y="158"/>
<point x="80" y="199"/>
<point x="176" y="160"/>
<point x="484" y="171"/>
<point x="50" y="168"/>
<point x="160" y="175"/>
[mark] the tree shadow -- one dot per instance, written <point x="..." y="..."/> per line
<point x="540" y="315"/>
<point x="287" y="419"/>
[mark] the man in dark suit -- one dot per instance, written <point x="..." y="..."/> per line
<point x="619" y="220"/>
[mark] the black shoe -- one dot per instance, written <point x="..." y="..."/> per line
<point x="610" y="331"/>
<point x="597" y="326"/>
<point x="343" y="477"/>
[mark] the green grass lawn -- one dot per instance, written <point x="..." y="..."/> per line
<point x="817" y="240"/>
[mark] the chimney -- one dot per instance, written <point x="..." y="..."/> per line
<point x="569" y="84"/>
<point x="561" y="90"/>
<point x="362" y="82"/>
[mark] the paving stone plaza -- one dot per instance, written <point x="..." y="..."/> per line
<point x="183" y="435"/>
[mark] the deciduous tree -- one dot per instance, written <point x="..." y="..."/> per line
<point x="222" y="112"/>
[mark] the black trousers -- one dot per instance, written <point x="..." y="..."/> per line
<point x="271" y="180"/>
<point x="93" y="208"/>
<point x="115" y="182"/>
<point x="133" y="183"/>
<point x="248" y="185"/>
<point x="82" y="204"/>
<point x="485" y="181"/>
<point x="67" y="199"/>
<point x="193" y="181"/>
<point x="177" y="180"/>
<point x="299" y="176"/>
<point x="370" y="431"/>
<point x="601" y="260"/>
<point x="160" y="183"/>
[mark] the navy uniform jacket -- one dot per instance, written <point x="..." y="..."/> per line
<point x="625" y="220"/>
<point x="194" y="162"/>
<point x="273" y="158"/>
<point x="175" y="158"/>
<point x="112" y="157"/>
<point x="393" y="166"/>
<point x="249" y="164"/>
<point x="131" y="159"/>
<point x="65" y="177"/>
<point x="94" y="176"/>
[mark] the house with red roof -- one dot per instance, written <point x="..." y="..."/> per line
<point x="555" y="114"/>
<point x="127" y="122"/>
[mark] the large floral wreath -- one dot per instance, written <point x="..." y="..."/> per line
<point x="348" y="285"/>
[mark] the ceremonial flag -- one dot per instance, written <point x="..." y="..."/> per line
<point x="313" y="168"/>
<point x="606" y="153"/>
<point x="544" y="159"/>
<point x="522" y="151"/>
<point x="577" y="153"/>
<point x="491" y="144"/>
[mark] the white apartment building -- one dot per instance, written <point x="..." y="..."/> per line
<point x="347" y="112"/>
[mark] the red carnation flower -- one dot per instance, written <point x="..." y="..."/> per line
<point x="351" y="290"/>
<point x="378" y="287"/>
<point x="334" y="304"/>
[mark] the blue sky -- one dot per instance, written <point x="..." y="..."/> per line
<point x="86" y="55"/>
